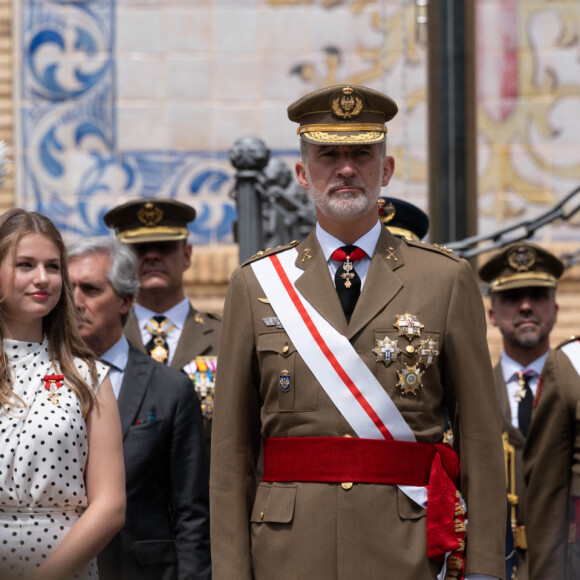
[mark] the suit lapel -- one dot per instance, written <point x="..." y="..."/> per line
<point x="316" y="285"/>
<point x="133" y="388"/>
<point x="381" y="284"/>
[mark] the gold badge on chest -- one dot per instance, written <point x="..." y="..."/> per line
<point x="386" y="350"/>
<point x="408" y="325"/>
<point x="410" y="379"/>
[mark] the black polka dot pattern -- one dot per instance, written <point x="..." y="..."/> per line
<point x="43" y="452"/>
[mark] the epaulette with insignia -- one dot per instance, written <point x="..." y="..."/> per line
<point x="434" y="248"/>
<point x="269" y="251"/>
<point x="568" y="341"/>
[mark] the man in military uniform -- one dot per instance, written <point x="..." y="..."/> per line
<point x="522" y="281"/>
<point x="344" y="354"/>
<point x="163" y="322"/>
<point x="552" y="465"/>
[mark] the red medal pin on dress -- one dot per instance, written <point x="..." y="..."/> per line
<point x="51" y="384"/>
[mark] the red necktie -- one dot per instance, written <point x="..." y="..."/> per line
<point x="346" y="280"/>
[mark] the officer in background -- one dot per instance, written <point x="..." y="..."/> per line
<point x="163" y="322"/>
<point x="552" y="464"/>
<point x="522" y="280"/>
<point x="403" y="219"/>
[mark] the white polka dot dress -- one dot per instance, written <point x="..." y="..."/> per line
<point x="43" y="451"/>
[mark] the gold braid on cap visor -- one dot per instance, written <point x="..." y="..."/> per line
<point x="530" y="276"/>
<point x="369" y="132"/>
<point x="175" y="232"/>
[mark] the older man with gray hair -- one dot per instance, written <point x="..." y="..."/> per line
<point x="166" y="533"/>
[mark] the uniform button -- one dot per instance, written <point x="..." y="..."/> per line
<point x="410" y="349"/>
<point x="261" y="516"/>
<point x="347" y="435"/>
<point x="285" y="348"/>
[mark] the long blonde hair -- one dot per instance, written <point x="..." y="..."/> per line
<point x="59" y="325"/>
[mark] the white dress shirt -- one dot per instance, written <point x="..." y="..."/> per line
<point x="177" y="317"/>
<point x="510" y="369"/>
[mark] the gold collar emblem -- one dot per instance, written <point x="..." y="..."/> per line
<point x="150" y="215"/>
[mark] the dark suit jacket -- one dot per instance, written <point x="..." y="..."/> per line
<point x="199" y="337"/>
<point x="166" y="533"/>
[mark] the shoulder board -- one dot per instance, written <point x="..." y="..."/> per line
<point x="269" y="251"/>
<point x="434" y="248"/>
<point x="568" y="341"/>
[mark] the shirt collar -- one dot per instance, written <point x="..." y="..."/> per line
<point x="118" y="355"/>
<point x="177" y="314"/>
<point x="329" y="243"/>
<point x="510" y="367"/>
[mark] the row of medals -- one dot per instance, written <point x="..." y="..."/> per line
<point x="387" y="351"/>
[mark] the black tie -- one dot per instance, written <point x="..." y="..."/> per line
<point x="526" y="402"/>
<point x="346" y="280"/>
<point x="157" y="346"/>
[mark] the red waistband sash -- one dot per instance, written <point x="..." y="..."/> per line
<point x="343" y="459"/>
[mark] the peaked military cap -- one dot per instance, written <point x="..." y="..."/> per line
<point x="343" y="115"/>
<point x="520" y="265"/>
<point x="403" y="219"/>
<point x="150" y="220"/>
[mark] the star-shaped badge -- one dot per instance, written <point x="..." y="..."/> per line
<point x="408" y="325"/>
<point x="428" y="352"/>
<point x="386" y="350"/>
<point x="410" y="379"/>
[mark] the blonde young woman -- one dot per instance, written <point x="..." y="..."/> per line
<point x="62" y="495"/>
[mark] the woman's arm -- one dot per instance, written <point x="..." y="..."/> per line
<point x="105" y="484"/>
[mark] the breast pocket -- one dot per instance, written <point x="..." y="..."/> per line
<point x="286" y="384"/>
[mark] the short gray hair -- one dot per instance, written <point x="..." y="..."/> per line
<point x="123" y="268"/>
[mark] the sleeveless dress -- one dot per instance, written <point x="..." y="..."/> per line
<point x="43" y="452"/>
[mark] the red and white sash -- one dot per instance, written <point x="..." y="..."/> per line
<point x="347" y="380"/>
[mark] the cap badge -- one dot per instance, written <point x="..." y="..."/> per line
<point x="386" y="350"/>
<point x="410" y="379"/>
<point x="347" y="104"/>
<point x="150" y="215"/>
<point x="428" y="352"/>
<point x="521" y="259"/>
<point x="408" y="325"/>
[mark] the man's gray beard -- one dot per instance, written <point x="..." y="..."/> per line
<point x="346" y="207"/>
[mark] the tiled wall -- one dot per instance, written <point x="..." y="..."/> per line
<point x="124" y="98"/>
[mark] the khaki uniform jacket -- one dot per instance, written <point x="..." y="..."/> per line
<point x="517" y="439"/>
<point x="199" y="337"/>
<point x="292" y="531"/>
<point x="552" y="464"/>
